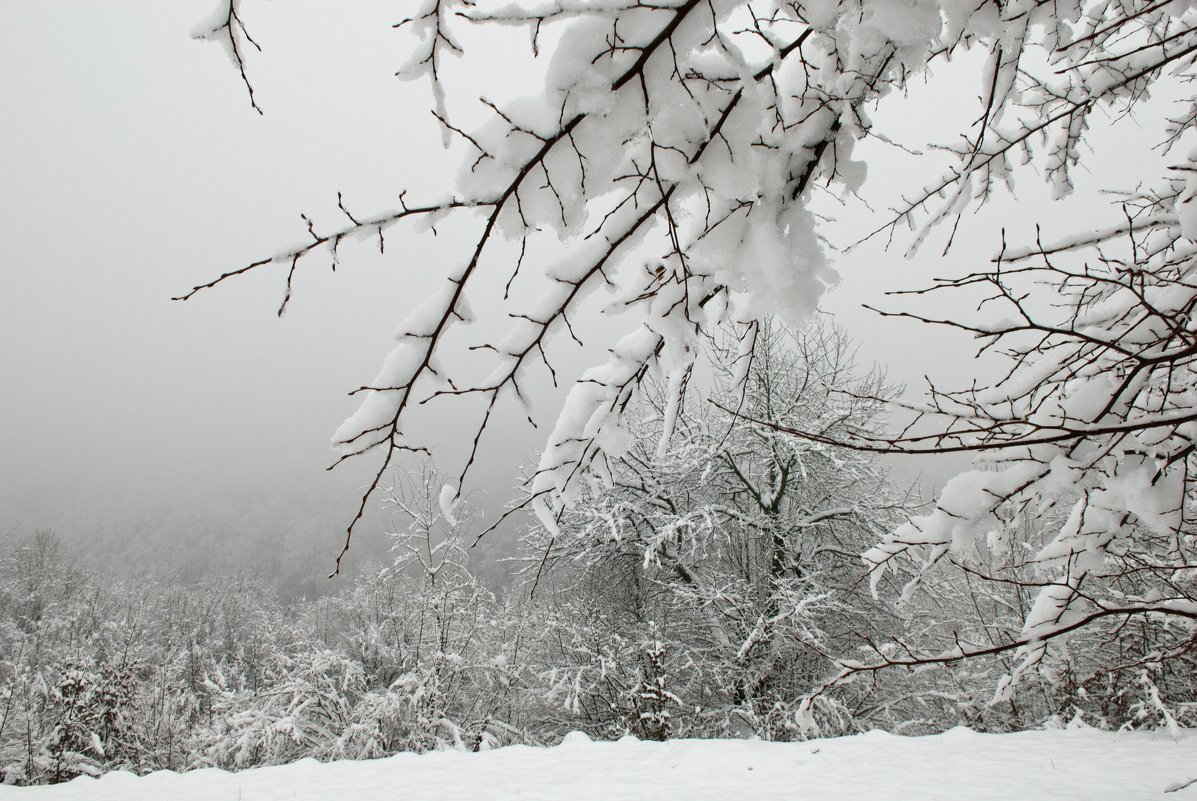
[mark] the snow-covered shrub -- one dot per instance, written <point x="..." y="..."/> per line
<point x="651" y="698"/>
<point x="89" y="707"/>
<point x="303" y="708"/>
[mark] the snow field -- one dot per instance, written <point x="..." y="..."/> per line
<point x="959" y="765"/>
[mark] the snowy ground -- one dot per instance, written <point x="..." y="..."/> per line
<point x="959" y="765"/>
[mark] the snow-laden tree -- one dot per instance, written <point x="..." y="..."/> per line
<point x="727" y="554"/>
<point x="452" y="677"/>
<point x="1084" y="436"/>
<point x="669" y="155"/>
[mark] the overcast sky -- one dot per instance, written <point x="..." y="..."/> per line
<point x="134" y="168"/>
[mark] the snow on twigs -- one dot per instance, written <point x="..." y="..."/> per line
<point x="670" y="161"/>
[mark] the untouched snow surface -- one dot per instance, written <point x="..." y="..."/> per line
<point x="959" y="765"/>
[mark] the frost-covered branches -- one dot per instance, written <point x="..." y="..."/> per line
<point x="738" y="543"/>
<point x="432" y="526"/>
<point x="670" y="160"/>
<point x="97" y="674"/>
<point x="1048" y="70"/>
<point x="227" y="28"/>
<point x="671" y="152"/>
<point x="1086" y="427"/>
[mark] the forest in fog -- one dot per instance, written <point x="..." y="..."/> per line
<point x="609" y="454"/>
<point x="703" y="592"/>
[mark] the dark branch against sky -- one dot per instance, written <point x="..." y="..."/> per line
<point x="136" y="169"/>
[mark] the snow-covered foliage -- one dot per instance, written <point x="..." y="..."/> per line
<point x="728" y="561"/>
<point x="670" y="155"/>
<point x="1084" y="437"/>
<point x="97" y="676"/>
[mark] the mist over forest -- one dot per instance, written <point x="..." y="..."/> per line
<point x="470" y="374"/>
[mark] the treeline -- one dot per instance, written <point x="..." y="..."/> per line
<point x="708" y="586"/>
<point x="97" y="675"/>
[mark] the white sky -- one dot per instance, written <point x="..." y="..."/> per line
<point x="134" y="168"/>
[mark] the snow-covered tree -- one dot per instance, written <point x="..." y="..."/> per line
<point x="734" y="545"/>
<point x="670" y="152"/>
<point x="457" y="673"/>
<point x="1083" y="488"/>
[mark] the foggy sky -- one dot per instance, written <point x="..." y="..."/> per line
<point x="134" y="168"/>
